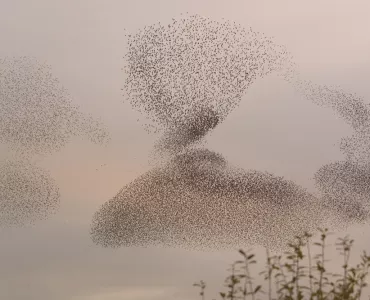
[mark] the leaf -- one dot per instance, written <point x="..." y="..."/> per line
<point x="242" y="252"/>
<point x="257" y="289"/>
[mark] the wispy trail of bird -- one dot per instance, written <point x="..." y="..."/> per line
<point x="37" y="114"/>
<point x="344" y="184"/>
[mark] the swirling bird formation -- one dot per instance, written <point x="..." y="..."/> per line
<point x="186" y="78"/>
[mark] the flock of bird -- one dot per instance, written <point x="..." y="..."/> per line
<point x="37" y="117"/>
<point x="185" y="78"/>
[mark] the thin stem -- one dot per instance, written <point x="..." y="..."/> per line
<point x="346" y="260"/>
<point x="282" y="273"/>
<point x="269" y="272"/>
<point x="309" y="263"/>
<point x="322" y="266"/>
<point x="232" y="282"/>
<point x="245" y="285"/>
<point x="297" y="278"/>
<point x="248" y="277"/>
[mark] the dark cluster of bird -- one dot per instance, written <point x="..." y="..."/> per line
<point x="186" y="78"/>
<point x="198" y="201"/>
<point x="37" y="117"/>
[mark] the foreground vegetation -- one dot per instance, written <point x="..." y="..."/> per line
<point x="288" y="278"/>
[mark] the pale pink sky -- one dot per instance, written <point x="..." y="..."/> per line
<point x="84" y="42"/>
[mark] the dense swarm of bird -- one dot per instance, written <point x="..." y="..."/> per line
<point x="177" y="72"/>
<point x="186" y="77"/>
<point x="27" y="194"/>
<point x="37" y="115"/>
<point x="191" y="134"/>
<point x="199" y="201"/>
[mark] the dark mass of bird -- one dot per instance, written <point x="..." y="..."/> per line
<point x="199" y="201"/>
<point x="191" y="134"/>
<point x="27" y="194"/>
<point x="37" y="115"/>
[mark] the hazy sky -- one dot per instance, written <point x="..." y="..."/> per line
<point x="273" y="130"/>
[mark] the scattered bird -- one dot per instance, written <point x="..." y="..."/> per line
<point x="37" y="115"/>
<point x="27" y="194"/>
